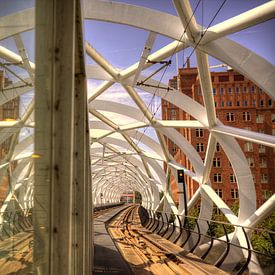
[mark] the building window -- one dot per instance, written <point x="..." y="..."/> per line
<point x="261" y="103"/>
<point x="264" y="178"/>
<point x="174" y="149"/>
<point x="222" y="103"/>
<point x="230" y="91"/>
<point x="254" y="178"/>
<point x="216" y="104"/>
<point x="230" y="117"/>
<point x="216" y="210"/>
<point x="273" y="118"/>
<point x="244" y="90"/>
<point x="216" y="162"/>
<point x="254" y="103"/>
<point x="219" y="192"/>
<point x="238" y="103"/>
<point x="223" y="78"/>
<point x="232" y="178"/>
<point x="266" y="194"/>
<point x="246" y="116"/>
<point x="200" y="147"/>
<point x="214" y="91"/>
<point x="173" y="114"/>
<point x="270" y="103"/>
<point x="238" y="77"/>
<point x="218" y="147"/>
<point x="217" y="177"/>
<point x="252" y="89"/>
<point x="248" y="147"/>
<point x="237" y="90"/>
<point x="234" y="193"/>
<point x="221" y="90"/>
<point x="245" y="103"/>
<point x="199" y="132"/>
<point x="251" y="162"/>
<point x="260" y="118"/>
<point x="173" y="84"/>
<point x="263" y="163"/>
<point x="261" y="148"/>
<point x="229" y="103"/>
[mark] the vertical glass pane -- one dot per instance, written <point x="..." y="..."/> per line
<point x="16" y="136"/>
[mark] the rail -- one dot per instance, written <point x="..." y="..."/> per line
<point x="149" y="253"/>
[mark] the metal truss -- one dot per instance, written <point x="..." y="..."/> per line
<point x="119" y="157"/>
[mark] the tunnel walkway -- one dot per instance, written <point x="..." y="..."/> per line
<point x="107" y="259"/>
<point x="143" y="251"/>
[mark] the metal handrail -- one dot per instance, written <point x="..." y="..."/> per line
<point x="221" y="222"/>
<point x="190" y="231"/>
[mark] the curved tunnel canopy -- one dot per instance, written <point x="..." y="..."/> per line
<point x="128" y="137"/>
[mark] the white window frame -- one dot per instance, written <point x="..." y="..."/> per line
<point x="251" y="162"/>
<point x="200" y="147"/>
<point x="217" y="162"/>
<point x="217" y="177"/>
<point x="199" y="133"/>
<point x="230" y="117"/>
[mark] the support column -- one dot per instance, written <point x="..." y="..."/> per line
<point x="62" y="190"/>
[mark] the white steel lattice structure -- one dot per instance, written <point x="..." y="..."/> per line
<point x="118" y="157"/>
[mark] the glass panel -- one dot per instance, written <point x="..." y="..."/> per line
<point x="16" y="141"/>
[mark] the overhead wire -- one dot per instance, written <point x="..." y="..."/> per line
<point x="165" y="69"/>
<point x="204" y="31"/>
<point x="194" y="48"/>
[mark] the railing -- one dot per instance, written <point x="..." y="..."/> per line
<point x="188" y="234"/>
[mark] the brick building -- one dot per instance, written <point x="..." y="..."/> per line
<point x="8" y="111"/>
<point x="239" y="103"/>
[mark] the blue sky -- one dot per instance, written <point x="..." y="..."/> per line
<point x="114" y="40"/>
<point x="118" y="41"/>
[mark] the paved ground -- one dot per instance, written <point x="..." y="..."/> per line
<point x="107" y="259"/>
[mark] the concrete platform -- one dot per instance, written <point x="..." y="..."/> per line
<point x="107" y="259"/>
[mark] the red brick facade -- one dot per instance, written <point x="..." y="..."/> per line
<point x="239" y="103"/>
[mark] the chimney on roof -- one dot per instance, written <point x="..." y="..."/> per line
<point x="188" y="63"/>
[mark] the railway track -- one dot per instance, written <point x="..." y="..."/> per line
<point x="148" y="253"/>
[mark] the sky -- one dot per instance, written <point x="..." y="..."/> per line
<point x="260" y="38"/>
<point x="117" y="41"/>
<point x="122" y="45"/>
